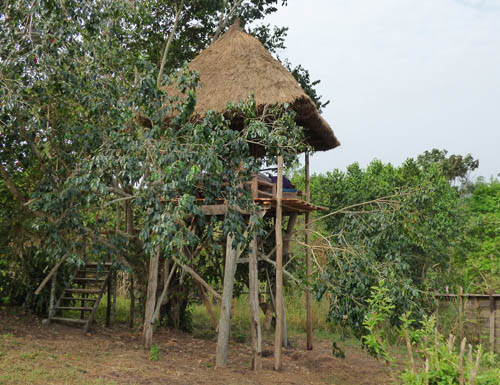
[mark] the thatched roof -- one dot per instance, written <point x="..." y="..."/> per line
<point x="237" y="65"/>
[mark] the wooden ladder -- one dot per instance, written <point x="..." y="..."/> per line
<point x="84" y="294"/>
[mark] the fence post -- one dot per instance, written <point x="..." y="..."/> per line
<point x="478" y="320"/>
<point x="492" y="322"/>
<point x="460" y="313"/>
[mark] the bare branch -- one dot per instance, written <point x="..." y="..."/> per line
<point x="169" y="42"/>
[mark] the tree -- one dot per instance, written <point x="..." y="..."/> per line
<point x="386" y="222"/>
<point x="478" y="257"/>
<point x="456" y="168"/>
<point x="85" y="129"/>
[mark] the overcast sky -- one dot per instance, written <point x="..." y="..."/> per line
<point x="403" y="76"/>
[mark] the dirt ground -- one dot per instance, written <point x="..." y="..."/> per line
<point x="33" y="353"/>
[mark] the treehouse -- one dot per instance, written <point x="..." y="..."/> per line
<point x="232" y="68"/>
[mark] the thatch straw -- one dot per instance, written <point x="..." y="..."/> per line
<point x="237" y="65"/>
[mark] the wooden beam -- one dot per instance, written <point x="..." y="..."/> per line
<point x="214" y="209"/>
<point x="309" y="327"/>
<point x="52" y="272"/>
<point x="208" y="305"/>
<point x="195" y="275"/>
<point x="279" y="267"/>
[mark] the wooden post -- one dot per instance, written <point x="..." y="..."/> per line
<point x="478" y="320"/>
<point x="460" y="313"/>
<point x="113" y="306"/>
<point x="309" y="325"/>
<point x="492" y="322"/>
<point x="255" y="187"/>
<point x="279" y="267"/>
<point x="108" y="301"/>
<point x="52" y="303"/>
<point x="287" y="239"/>
<point x="131" y="320"/>
<point x="253" y="286"/>
<point x="151" y="298"/>
<point x="226" y="304"/>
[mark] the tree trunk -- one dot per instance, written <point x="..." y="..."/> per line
<point x="151" y="299"/>
<point x="227" y="298"/>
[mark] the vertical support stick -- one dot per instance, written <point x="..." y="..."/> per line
<point x="279" y="267"/>
<point x="113" y="306"/>
<point x="207" y="303"/>
<point x="52" y="303"/>
<point x="460" y="313"/>
<point x="287" y="240"/>
<point x="492" y="322"/>
<point x="254" y="306"/>
<point x="151" y="299"/>
<point x="309" y="325"/>
<point x="108" y="300"/>
<point x="131" y="320"/>
<point x="255" y="187"/>
<point x="226" y="304"/>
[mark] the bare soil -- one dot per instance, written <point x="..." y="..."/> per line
<point x="33" y="353"/>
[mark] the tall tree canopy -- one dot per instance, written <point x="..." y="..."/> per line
<point x="86" y="128"/>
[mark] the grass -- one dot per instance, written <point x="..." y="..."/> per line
<point x="22" y="363"/>
<point x="240" y="321"/>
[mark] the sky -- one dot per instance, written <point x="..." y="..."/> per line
<point x="403" y="76"/>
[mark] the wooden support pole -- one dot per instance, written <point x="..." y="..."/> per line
<point x="113" y="306"/>
<point x="131" y="319"/>
<point x="279" y="267"/>
<point x="309" y="326"/>
<point x="208" y="305"/>
<point x="108" y="300"/>
<point x="195" y="275"/>
<point x="151" y="299"/>
<point x="286" y="250"/>
<point x="492" y="322"/>
<point x="52" y="303"/>
<point x="253" y="287"/>
<point x="226" y="304"/>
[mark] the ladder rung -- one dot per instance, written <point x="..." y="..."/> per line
<point x="74" y="308"/>
<point x="79" y="299"/>
<point x="98" y="264"/>
<point x="75" y="320"/>
<point x="86" y="279"/>
<point x="83" y="291"/>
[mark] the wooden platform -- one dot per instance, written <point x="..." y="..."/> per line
<point x="291" y="205"/>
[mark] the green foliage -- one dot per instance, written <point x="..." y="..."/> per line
<point x="442" y="359"/>
<point x="85" y="130"/>
<point x="440" y="362"/>
<point x="455" y="168"/>
<point x="478" y="258"/>
<point x="386" y="222"/>
<point x="380" y="308"/>
<point x="155" y="353"/>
